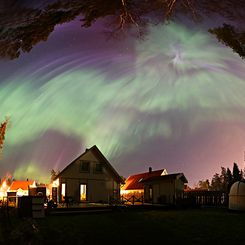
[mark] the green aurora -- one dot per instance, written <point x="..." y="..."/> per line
<point x="174" y="75"/>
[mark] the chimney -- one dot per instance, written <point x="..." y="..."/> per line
<point x="150" y="170"/>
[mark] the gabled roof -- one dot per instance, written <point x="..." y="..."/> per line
<point x="167" y="177"/>
<point x="135" y="182"/>
<point x="21" y="184"/>
<point x="99" y="154"/>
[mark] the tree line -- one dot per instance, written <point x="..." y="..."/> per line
<point x="224" y="180"/>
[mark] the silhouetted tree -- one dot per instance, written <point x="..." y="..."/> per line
<point x="31" y="25"/>
<point x="221" y="182"/>
<point x="53" y="174"/>
<point x="242" y="174"/>
<point x="3" y="128"/>
<point x="229" y="9"/>
<point x="224" y="180"/>
<point x="229" y="179"/>
<point x="236" y="173"/>
<point x="203" y="184"/>
<point x="231" y="37"/>
<point x="216" y="183"/>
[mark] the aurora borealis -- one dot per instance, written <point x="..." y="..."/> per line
<point x="174" y="99"/>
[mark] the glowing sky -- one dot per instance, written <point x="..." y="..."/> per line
<point x="173" y="100"/>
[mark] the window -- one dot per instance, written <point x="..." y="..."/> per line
<point x="63" y="191"/>
<point x="84" y="166"/>
<point x="99" y="167"/>
<point x="83" y="192"/>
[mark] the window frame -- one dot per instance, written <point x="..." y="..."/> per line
<point x="63" y="191"/>
<point x="86" y="192"/>
<point x="81" y="170"/>
<point x="101" y="171"/>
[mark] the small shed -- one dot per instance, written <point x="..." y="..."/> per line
<point x="165" y="189"/>
<point x="134" y="185"/>
<point x="237" y="196"/>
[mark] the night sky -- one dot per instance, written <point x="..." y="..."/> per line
<point x="172" y="99"/>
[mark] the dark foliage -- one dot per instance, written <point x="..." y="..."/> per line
<point x="231" y="37"/>
<point x="21" y="27"/>
<point x="224" y="180"/>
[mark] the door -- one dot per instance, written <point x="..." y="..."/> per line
<point x="83" y="192"/>
<point x="150" y="193"/>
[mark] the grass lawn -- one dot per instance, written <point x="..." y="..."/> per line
<point x="196" y="226"/>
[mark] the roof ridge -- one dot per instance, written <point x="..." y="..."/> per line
<point x="94" y="147"/>
<point x="153" y="171"/>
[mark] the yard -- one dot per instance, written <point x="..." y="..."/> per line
<point x="190" y="226"/>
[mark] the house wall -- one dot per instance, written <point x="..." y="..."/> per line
<point x="164" y="191"/>
<point x="100" y="186"/>
<point x="179" y="189"/>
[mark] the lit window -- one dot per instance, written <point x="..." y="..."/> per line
<point x="63" y="191"/>
<point x="83" y="192"/>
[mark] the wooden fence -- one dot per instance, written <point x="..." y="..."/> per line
<point x="132" y="200"/>
<point x="189" y="199"/>
<point x="206" y="198"/>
